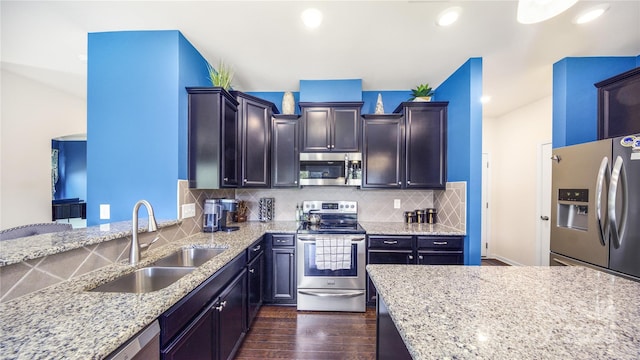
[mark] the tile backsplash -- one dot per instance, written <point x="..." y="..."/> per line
<point x="374" y="205"/>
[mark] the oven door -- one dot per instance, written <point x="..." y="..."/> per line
<point x="310" y="277"/>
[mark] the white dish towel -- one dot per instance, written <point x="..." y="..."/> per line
<point x="333" y="253"/>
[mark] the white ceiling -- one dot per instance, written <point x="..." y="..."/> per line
<point x="390" y="45"/>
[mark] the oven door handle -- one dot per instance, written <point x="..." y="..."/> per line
<point x="325" y="294"/>
<point x="306" y="238"/>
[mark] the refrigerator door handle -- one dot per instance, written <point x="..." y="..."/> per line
<point x="618" y="177"/>
<point x="603" y="176"/>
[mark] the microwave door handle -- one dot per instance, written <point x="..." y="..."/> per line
<point x="618" y="177"/>
<point x="603" y="175"/>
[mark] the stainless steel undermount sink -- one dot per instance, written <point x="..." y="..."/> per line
<point x="189" y="256"/>
<point x="146" y="279"/>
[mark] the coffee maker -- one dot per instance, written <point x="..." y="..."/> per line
<point x="229" y="207"/>
<point x="212" y="215"/>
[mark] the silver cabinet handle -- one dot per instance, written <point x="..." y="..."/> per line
<point x="410" y="257"/>
<point x="408" y="182"/>
<point x="245" y="181"/>
<point x="328" y="146"/>
<point x="618" y="177"/>
<point x="257" y="248"/>
<point x="225" y="179"/>
<point x="420" y="257"/>
<point x="399" y="182"/>
<point x="390" y="242"/>
<point x="252" y="270"/>
<point x="440" y="243"/>
<point x="545" y="218"/>
<point x="323" y="294"/>
<point x="603" y="175"/>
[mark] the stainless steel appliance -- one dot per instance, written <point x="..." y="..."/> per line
<point x="229" y="206"/>
<point x="331" y="168"/>
<point x="596" y="206"/>
<point x="145" y="345"/>
<point x="331" y="258"/>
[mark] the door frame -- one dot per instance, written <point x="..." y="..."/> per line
<point x="542" y="239"/>
<point x="486" y="209"/>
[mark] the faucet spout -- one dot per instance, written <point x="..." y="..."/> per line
<point x="135" y="248"/>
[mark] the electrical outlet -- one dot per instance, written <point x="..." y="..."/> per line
<point x="396" y="203"/>
<point x="188" y="210"/>
<point x="105" y="211"/>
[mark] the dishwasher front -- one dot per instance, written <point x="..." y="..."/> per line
<point x="144" y="346"/>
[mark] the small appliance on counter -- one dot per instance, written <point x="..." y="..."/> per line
<point x="229" y="207"/>
<point x="212" y="214"/>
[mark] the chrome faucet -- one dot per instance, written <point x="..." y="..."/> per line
<point x="136" y="248"/>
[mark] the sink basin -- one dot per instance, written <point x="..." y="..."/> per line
<point x="146" y="279"/>
<point x="189" y="257"/>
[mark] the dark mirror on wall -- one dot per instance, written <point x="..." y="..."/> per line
<point x="69" y="180"/>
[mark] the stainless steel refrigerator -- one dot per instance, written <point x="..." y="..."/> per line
<point x="595" y="209"/>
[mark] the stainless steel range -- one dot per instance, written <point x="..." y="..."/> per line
<point x="330" y="251"/>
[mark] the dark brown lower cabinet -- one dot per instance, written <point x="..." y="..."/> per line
<point x="389" y="343"/>
<point x="280" y="269"/>
<point x="231" y="325"/>
<point x="196" y="342"/>
<point x="255" y="275"/>
<point x="211" y="321"/>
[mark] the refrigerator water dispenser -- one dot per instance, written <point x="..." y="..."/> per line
<point x="573" y="209"/>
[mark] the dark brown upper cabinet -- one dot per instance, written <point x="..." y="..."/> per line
<point x="407" y="149"/>
<point x="331" y="126"/>
<point x="619" y="105"/>
<point x="254" y="121"/>
<point x="214" y="156"/>
<point x="285" y="159"/>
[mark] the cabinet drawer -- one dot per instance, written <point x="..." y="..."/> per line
<point x="448" y="243"/>
<point x="283" y="240"/>
<point x="441" y="258"/>
<point x="391" y="242"/>
<point x="391" y="257"/>
<point x="255" y="249"/>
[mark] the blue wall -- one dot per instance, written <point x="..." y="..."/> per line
<point x="136" y="119"/>
<point x="463" y="90"/>
<point x="330" y="90"/>
<point x="575" y="98"/>
<point x="72" y="169"/>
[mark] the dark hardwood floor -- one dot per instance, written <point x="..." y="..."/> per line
<point x="492" y="262"/>
<point x="280" y="332"/>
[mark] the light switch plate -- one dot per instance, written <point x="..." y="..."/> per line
<point x="396" y="203"/>
<point x="105" y="211"/>
<point x="188" y="210"/>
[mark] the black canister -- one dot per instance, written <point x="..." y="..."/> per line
<point x="410" y="217"/>
<point x="421" y="216"/>
<point x="431" y="215"/>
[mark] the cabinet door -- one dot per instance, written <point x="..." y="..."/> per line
<point x="230" y="150"/>
<point x="286" y="161"/>
<point x="425" y="153"/>
<point x="232" y="316"/>
<point x="345" y="129"/>
<point x="197" y="342"/>
<point x="256" y="151"/>
<point x="382" y="151"/>
<point x="284" y="275"/>
<point x="256" y="281"/>
<point x="316" y="129"/>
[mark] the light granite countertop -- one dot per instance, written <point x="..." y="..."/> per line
<point x="36" y="246"/>
<point x="64" y="321"/>
<point x="400" y="228"/>
<point x="473" y="312"/>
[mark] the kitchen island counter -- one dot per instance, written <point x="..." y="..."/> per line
<point x="64" y="321"/>
<point x="472" y="312"/>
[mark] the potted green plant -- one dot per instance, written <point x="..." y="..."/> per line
<point x="421" y="93"/>
<point x="221" y="77"/>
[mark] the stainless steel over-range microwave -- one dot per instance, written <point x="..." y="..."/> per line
<point x="331" y="169"/>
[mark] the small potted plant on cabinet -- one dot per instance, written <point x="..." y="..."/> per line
<point x="221" y="77"/>
<point x="421" y="93"/>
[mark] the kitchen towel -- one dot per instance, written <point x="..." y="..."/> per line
<point x="333" y="253"/>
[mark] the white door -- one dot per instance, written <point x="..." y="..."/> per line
<point x="544" y="204"/>
<point x="485" y="204"/>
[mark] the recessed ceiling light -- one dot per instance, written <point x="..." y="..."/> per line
<point x="312" y="18"/>
<point x="591" y="14"/>
<point x="485" y="99"/>
<point x="449" y="16"/>
<point x="535" y="11"/>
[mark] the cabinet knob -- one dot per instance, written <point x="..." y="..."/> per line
<point x="328" y="146"/>
<point x="257" y="248"/>
<point x="290" y="255"/>
<point x="252" y="270"/>
<point x="420" y="257"/>
<point x="245" y="181"/>
<point x="225" y="179"/>
<point x="295" y="181"/>
<point x="408" y="182"/>
<point x="410" y="257"/>
<point x="399" y="182"/>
